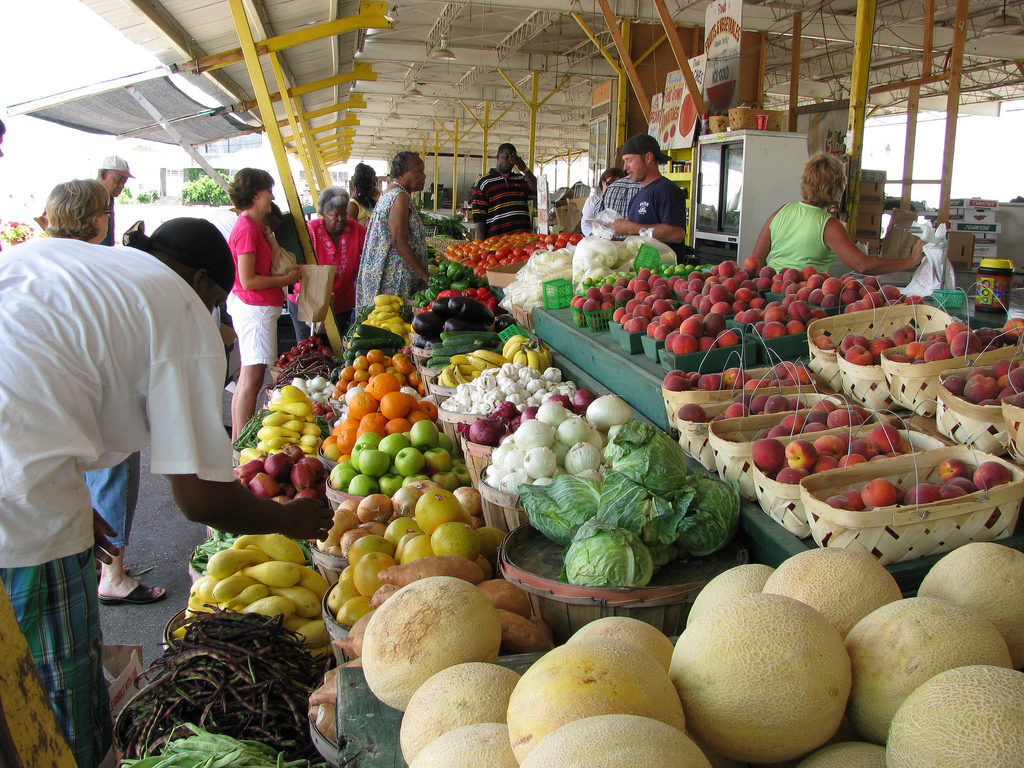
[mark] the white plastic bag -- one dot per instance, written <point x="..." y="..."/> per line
<point x="934" y="271"/>
<point x="601" y="224"/>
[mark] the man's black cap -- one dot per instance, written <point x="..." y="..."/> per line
<point x="641" y="144"/>
<point x="195" y="243"/>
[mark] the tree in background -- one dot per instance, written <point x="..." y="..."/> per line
<point x="204" y="191"/>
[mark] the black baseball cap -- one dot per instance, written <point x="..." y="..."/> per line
<point x="195" y="243"/>
<point x="641" y="144"/>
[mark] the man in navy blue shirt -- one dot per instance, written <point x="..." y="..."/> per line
<point x="658" y="210"/>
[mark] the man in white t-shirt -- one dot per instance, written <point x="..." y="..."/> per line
<point x="108" y="351"/>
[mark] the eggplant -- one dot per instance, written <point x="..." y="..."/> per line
<point x="461" y="324"/>
<point x="428" y="324"/>
<point x="440" y="307"/>
<point x="503" y="321"/>
<point x="421" y="342"/>
<point x="465" y="308"/>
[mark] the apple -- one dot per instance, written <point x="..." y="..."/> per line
<point x="368" y="440"/>
<point x="409" y="461"/>
<point x="341" y="476"/>
<point x="415" y="479"/>
<point x="363" y="485"/>
<point x="373" y="463"/>
<point x="390" y="484"/>
<point x="437" y="459"/>
<point x="447" y="480"/>
<point x="424" y="435"/>
<point x="443" y="441"/>
<point x="392" y="445"/>
<point x="462" y="472"/>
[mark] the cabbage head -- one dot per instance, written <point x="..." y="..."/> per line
<point x="648" y="457"/>
<point x="713" y="516"/>
<point x="603" y="555"/>
<point x="559" y="508"/>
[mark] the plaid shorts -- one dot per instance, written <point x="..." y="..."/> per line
<point x="58" y="611"/>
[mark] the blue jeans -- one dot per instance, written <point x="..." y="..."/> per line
<point x="115" y="492"/>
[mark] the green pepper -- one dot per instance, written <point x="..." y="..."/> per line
<point x="430" y="294"/>
<point x="460" y="285"/>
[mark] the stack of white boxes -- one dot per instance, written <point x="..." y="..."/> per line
<point x="977" y="216"/>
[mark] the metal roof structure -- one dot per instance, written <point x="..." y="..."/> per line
<point x="439" y="61"/>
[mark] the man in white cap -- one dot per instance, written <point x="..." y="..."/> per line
<point x="113" y="175"/>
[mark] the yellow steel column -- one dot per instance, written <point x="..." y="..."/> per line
<point x="316" y="158"/>
<point x="300" y="150"/>
<point x="952" y="106"/>
<point x="455" y="167"/>
<point x="437" y="146"/>
<point x="259" y="85"/>
<point x="913" y="102"/>
<point x="622" y="41"/>
<point x="682" y="61"/>
<point x="487" y="131"/>
<point x="533" y="115"/>
<point x="794" y="68"/>
<point x="858" y="101"/>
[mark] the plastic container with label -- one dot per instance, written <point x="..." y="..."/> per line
<point x="994" y="279"/>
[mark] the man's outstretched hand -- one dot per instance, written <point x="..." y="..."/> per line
<point x="103" y="549"/>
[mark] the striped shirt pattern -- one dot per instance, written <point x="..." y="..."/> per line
<point x="502" y="203"/>
<point x="618" y="195"/>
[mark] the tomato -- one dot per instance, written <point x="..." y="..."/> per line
<point x="519" y="253"/>
<point x="573" y="239"/>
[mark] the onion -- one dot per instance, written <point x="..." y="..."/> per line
<point x="509" y="438"/>
<point x="559" y="449"/>
<point x="582" y="457"/>
<point x="528" y="413"/>
<point x="534" y="434"/>
<point x="487" y="431"/>
<point x="582" y="400"/>
<point x="573" y="430"/>
<point x="539" y="462"/>
<point x="607" y="411"/>
<point x="505" y="410"/>
<point x="562" y="399"/>
<point x="552" y="413"/>
<point x="514" y="460"/>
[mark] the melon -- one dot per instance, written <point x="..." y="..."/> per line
<point x="988" y="578"/>
<point x="741" y="580"/>
<point x="963" y="717"/>
<point x="616" y="741"/>
<point x="901" y="645"/>
<point x="483" y="745"/>
<point x="465" y="694"/>
<point x="763" y="678"/>
<point x="633" y="631"/>
<point x="587" y="678"/>
<point x="842" y="586"/>
<point x="424" y="627"/>
<point x="846" y="754"/>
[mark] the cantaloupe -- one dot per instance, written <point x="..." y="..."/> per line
<point x="484" y="745"/>
<point x="741" y="580"/>
<point x="988" y="578"/>
<point x="847" y="754"/>
<point x="464" y="694"/>
<point x="763" y="678"/>
<point x="899" y="646"/>
<point x="616" y="741"/>
<point x="632" y="631"/>
<point x="961" y="718"/>
<point x="584" y="679"/>
<point x="842" y="586"/>
<point x="427" y="626"/>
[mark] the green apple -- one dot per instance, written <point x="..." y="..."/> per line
<point x="348" y="465"/>
<point x="457" y="461"/>
<point x="393" y="444"/>
<point x="390" y="484"/>
<point x="368" y="440"/>
<point x="354" y="456"/>
<point x="443" y="441"/>
<point x="363" y="485"/>
<point x="409" y="461"/>
<point x="463" y="474"/>
<point x="373" y="462"/>
<point x="408" y="436"/>
<point x="341" y="477"/>
<point x="414" y="478"/>
<point x="447" y="480"/>
<point x="438" y="459"/>
<point x="424" y="435"/>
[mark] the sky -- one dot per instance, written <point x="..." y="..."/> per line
<point x="78" y="48"/>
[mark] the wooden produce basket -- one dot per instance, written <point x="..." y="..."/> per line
<point x="782" y="502"/>
<point x="501" y="510"/>
<point x="732" y="441"/>
<point x="1013" y="418"/>
<point x="869" y="323"/>
<point x="981" y="427"/>
<point x="448" y="422"/>
<point x="329" y="750"/>
<point x="899" y="533"/>
<point x="335" y="629"/>
<point x="478" y="459"/>
<point x="176" y="621"/>
<point x="866" y="384"/>
<point x="328" y="566"/>
<point x="744" y="118"/>
<point x="440" y="393"/>
<point x="915" y="385"/>
<point x="336" y="497"/>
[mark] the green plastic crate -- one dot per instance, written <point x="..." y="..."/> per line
<point x="557" y="293"/>
<point x="949" y="298"/>
<point x="631" y="342"/>
<point x="512" y="330"/>
<point x="648" y="257"/>
<point x="597" y="320"/>
<point x="712" y="361"/>
<point x="652" y="347"/>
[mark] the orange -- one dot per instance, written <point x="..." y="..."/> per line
<point x="397" y="425"/>
<point x="403" y="364"/>
<point x="414" y="378"/>
<point x="362" y="376"/>
<point x="372" y="422"/>
<point x="362" y="404"/>
<point x="381" y="384"/>
<point x="427" y="407"/>
<point x="331" y="439"/>
<point x="415" y="416"/>
<point x="395" y="405"/>
<point x="361" y="363"/>
<point x="346" y="438"/>
<point x="375" y="368"/>
<point x="375" y="356"/>
<point x="348" y="373"/>
<point x="387" y="362"/>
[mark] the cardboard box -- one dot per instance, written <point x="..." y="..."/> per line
<point x="960" y="249"/>
<point x="872" y="192"/>
<point x="985" y="252"/>
<point x="869" y="223"/>
<point x="569" y="215"/>
<point x="122" y="664"/>
<point x="981" y="228"/>
<point x="976" y="215"/>
<point x="504" y="276"/>
<point x="972" y="202"/>
<point x="872" y="176"/>
<point x="898" y="241"/>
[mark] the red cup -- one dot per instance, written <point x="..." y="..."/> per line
<point x="762" y="122"/>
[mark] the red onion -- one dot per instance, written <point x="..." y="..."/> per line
<point x="528" y="413"/>
<point x="505" y="410"/>
<point x="487" y="431"/>
<point x="581" y="400"/>
<point x="564" y="400"/>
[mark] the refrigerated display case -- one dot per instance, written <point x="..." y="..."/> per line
<point x="742" y="177"/>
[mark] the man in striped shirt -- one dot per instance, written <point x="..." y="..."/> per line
<point x="501" y="199"/>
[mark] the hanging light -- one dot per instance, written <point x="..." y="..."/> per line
<point x="441" y="51"/>
<point x="1003" y="23"/>
<point x="414" y="90"/>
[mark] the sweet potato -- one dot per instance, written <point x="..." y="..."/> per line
<point x="327" y="693"/>
<point x="507" y="597"/>
<point x="382" y="594"/>
<point x="352" y="644"/>
<point x="519" y="635"/>
<point x="438" y="565"/>
<point x="356" y="662"/>
<point x="325" y="721"/>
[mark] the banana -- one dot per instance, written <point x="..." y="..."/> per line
<point x="445" y="378"/>
<point x="468" y="370"/>
<point x="459" y="360"/>
<point x="479" y="363"/>
<point x="533" y="359"/>
<point x="511" y="346"/>
<point x="520" y="357"/>
<point x="493" y="358"/>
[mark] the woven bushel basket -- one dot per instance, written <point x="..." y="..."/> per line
<point x="1013" y="418"/>
<point x="448" y="421"/>
<point x="781" y="501"/>
<point x="915" y="385"/>
<point x="478" y="458"/>
<point x="501" y="510"/>
<point x="866" y="384"/>
<point x="899" y="533"/>
<point x="981" y="427"/>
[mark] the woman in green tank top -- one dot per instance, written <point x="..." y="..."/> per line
<point x="806" y="233"/>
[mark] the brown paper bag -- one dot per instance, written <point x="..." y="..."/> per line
<point x="282" y="262"/>
<point x="316" y="294"/>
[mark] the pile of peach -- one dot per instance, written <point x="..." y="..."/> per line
<point x="823" y="291"/>
<point x="793" y="461"/>
<point x="955" y="480"/>
<point x="788" y="317"/>
<point x="744" y="404"/>
<point x="782" y="375"/>
<point x="988" y="386"/>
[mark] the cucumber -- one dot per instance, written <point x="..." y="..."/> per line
<point x="438" y="362"/>
<point x="366" y="344"/>
<point x="484" y="338"/>
<point x="459" y="349"/>
<point x="365" y="331"/>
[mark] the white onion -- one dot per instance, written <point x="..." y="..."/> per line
<point x="573" y="430"/>
<point x="607" y="411"/>
<point x="582" y="457"/>
<point x="552" y="413"/>
<point x="534" y="434"/>
<point x="539" y="462"/>
<point x="514" y="459"/>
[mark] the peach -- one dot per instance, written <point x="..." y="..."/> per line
<point x="937" y="351"/>
<point x="850" y="459"/>
<point x="710" y="382"/>
<point x="965" y="343"/>
<point x="685" y="344"/>
<point x="817" y="417"/>
<point x="980" y="388"/>
<point x="777" y="404"/>
<point x="823" y="464"/>
<point x="855" y="500"/>
<point x="885" y="438"/>
<point x="714" y="323"/>
<point x="903" y="335"/>
<point x="791" y="475"/>
<point x="830" y="445"/>
<point x="735" y="411"/>
<point x="800" y="310"/>
<point x="773" y="330"/>
<point x="923" y="493"/>
<point x="891" y="293"/>
<point x="858" y="355"/>
<point x="768" y="454"/>
<point x="704" y="343"/>
<point x="727" y="338"/>
<point x="877" y="346"/>
<point x="757" y="403"/>
<point x="963" y="482"/>
<point x="840" y="502"/>
<point x="1015" y="379"/>
<point x="733" y="377"/>
<point x="794" y="327"/>
<point x="879" y="493"/>
<point x="845" y="417"/>
<point x="988" y="475"/>
<point x="660" y="331"/>
<point x="952" y="491"/>
<point x="800" y="454"/>
<point x="915" y="350"/>
<point x="693" y="412"/>
<point x="792" y="421"/>
<point x="1014" y="327"/>
<point x="954" y="384"/>
<point x="675" y="381"/>
<point x="863" y="447"/>
<point x="828" y="301"/>
<point x="854" y="340"/>
<point x="954" y="329"/>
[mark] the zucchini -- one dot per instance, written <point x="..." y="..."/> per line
<point x="486" y="338"/>
<point x="382" y="344"/>
<point x="364" y="330"/>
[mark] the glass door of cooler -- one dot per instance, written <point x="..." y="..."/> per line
<point x="710" y="189"/>
<point x="732" y="183"/>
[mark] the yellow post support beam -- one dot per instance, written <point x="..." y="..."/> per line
<point x="534" y="85"/>
<point x="487" y="131"/>
<point x="913" y="104"/>
<point x="437" y="148"/>
<point x="620" y="118"/>
<point x="533" y="103"/>
<point x="349" y="120"/>
<point x="956" y="65"/>
<point x="622" y="93"/>
<point x="794" y="67"/>
<point x="259" y="85"/>
<point x="455" y="168"/>
<point x="863" y="34"/>
<point x="323" y="178"/>
<point x="622" y="47"/>
<point x="682" y="60"/>
<point x="355" y="101"/>
<point x="300" y="150"/>
<point x="347" y="129"/>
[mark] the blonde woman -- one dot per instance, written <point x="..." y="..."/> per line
<point x="78" y="210"/>
<point x="806" y="233"/>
